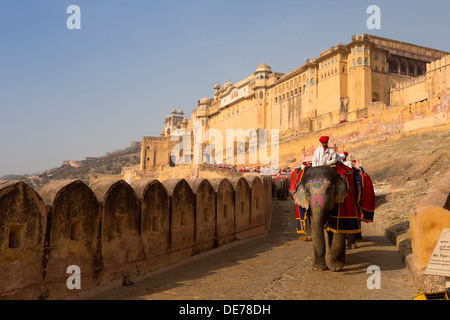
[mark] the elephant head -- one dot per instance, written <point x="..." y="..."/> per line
<point x="320" y="189"/>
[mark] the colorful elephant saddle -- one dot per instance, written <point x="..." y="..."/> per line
<point x="345" y="217"/>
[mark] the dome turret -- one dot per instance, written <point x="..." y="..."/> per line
<point x="205" y="100"/>
<point x="263" y="68"/>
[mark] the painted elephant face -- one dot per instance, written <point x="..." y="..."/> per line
<point x="321" y="195"/>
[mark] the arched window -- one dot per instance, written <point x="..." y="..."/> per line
<point x="375" y="97"/>
<point x="411" y="70"/>
<point x="313" y="82"/>
<point x="353" y="63"/>
<point x="403" y="68"/>
<point x="366" y="61"/>
<point x="360" y="62"/>
<point x="393" y="66"/>
<point x="419" y="71"/>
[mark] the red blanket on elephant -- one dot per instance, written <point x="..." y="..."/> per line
<point x="366" y="199"/>
<point x="344" y="217"/>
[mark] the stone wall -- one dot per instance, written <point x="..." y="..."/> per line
<point x="114" y="231"/>
<point x="427" y="220"/>
<point x="409" y="91"/>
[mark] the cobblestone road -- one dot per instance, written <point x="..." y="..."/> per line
<point x="278" y="266"/>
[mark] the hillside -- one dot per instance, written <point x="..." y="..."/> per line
<point x="109" y="164"/>
<point x="403" y="171"/>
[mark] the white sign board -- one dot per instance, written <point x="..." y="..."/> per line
<point x="439" y="264"/>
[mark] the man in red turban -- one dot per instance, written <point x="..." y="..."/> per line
<point x="345" y="161"/>
<point x="324" y="155"/>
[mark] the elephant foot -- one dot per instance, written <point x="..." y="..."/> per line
<point x="319" y="267"/>
<point x="335" y="265"/>
<point x="352" y="246"/>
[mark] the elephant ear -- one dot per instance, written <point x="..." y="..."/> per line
<point x="300" y="197"/>
<point x="342" y="189"/>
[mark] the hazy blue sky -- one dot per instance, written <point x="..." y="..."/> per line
<point x="67" y="94"/>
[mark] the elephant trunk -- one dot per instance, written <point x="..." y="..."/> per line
<point x="319" y="209"/>
<point x="318" y="236"/>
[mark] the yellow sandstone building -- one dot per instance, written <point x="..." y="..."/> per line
<point x="346" y="83"/>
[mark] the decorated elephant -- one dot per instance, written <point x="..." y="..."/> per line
<point x="281" y="188"/>
<point x="327" y="195"/>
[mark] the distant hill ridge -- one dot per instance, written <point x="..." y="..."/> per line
<point x="109" y="164"/>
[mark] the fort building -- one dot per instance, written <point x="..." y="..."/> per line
<point x="342" y="83"/>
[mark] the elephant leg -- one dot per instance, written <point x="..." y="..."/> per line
<point x="308" y="222"/>
<point x="285" y="191"/>
<point x="318" y="238"/>
<point x="336" y="257"/>
<point x="351" y="241"/>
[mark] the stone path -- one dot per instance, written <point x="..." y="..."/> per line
<point x="278" y="266"/>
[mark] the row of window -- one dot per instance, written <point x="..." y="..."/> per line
<point x="359" y="62"/>
<point x="330" y="61"/>
<point x="330" y="73"/>
<point x="293" y="83"/>
<point x="295" y="92"/>
<point x="360" y="49"/>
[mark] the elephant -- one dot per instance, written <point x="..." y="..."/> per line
<point x="282" y="189"/>
<point x="319" y="191"/>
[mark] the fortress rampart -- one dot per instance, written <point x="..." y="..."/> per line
<point x="427" y="220"/>
<point x="115" y="231"/>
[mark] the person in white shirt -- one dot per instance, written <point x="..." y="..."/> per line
<point x="345" y="161"/>
<point x="324" y="155"/>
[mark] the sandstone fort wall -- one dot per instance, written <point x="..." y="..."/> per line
<point x="427" y="220"/>
<point x="114" y="231"/>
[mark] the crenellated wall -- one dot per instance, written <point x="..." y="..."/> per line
<point x="113" y="230"/>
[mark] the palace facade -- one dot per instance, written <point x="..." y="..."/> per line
<point x="341" y="84"/>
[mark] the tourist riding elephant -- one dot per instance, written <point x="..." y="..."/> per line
<point x="319" y="191"/>
<point x="282" y="189"/>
